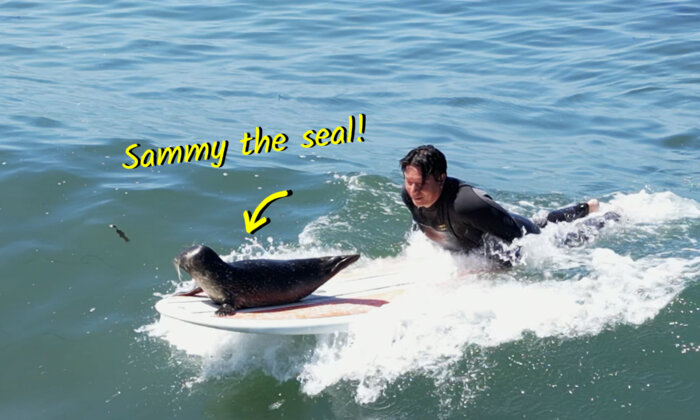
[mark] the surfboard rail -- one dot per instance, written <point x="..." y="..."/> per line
<point x="330" y="309"/>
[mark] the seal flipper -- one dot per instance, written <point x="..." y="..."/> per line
<point x="335" y="264"/>
<point x="225" y="310"/>
<point x="191" y="292"/>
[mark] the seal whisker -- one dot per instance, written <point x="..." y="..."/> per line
<point x="179" y="273"/>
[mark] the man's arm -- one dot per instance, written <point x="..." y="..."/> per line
<point x="487" y="215"/>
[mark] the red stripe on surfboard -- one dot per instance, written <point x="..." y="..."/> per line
<point x="369" y="302"/>
<point x="330" y="307"/>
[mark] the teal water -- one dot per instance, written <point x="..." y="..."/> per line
<point x="540" y="103"/>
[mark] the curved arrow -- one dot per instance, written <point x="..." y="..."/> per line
<point x="252" y="223"/>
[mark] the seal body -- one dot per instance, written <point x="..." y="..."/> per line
<point x="253" y="283"/>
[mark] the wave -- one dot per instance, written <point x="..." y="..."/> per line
<point x="459" y="307"/>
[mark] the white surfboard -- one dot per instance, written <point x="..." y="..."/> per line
<point x="333" y="307"/>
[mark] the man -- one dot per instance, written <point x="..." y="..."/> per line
<point x="461" y="217"/>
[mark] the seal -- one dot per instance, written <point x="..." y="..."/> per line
<point x="253" y="283"/>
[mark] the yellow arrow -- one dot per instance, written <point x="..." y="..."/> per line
<point x="252" y="223"/>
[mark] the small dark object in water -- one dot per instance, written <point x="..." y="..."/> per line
<point x="120" y="232"/>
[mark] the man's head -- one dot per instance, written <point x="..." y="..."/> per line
<point x="424" y="171"/>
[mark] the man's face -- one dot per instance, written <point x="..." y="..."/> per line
<point x="422" y="193"/>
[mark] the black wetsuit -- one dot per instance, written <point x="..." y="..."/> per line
<point x="466" y="218"/>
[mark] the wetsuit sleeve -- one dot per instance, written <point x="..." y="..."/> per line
<point x="486" y="215"/>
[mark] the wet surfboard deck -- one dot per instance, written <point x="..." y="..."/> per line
<point x="334" y="307"/>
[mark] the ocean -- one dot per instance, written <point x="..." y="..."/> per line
<point x="541" y="104"/>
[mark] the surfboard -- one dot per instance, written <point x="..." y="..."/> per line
<point x="334" y="307"/>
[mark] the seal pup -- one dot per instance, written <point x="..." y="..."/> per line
<point x="253" y="283"/>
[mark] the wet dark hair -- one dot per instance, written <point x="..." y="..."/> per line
<point x="428" y="159"/>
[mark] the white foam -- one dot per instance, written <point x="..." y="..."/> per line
<point x="311" y="235"/>
<point x="428" y="331"/>
<point x="647" y="207"/>
<point x="459" y="302"/>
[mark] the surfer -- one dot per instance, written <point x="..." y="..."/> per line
<point x="461" y="217"/>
